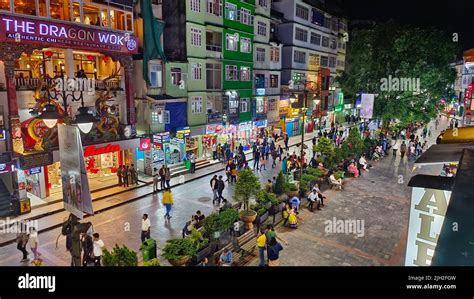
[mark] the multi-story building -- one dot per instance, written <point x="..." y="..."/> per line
<point x="267" y="68"/>
<point x="42" y="41"/>
<point x="310" y="50"/>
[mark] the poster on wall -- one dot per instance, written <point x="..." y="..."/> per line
<point x="427" y="212"/>
<point x="367" y="105"/>
<point x="76" y="194"/>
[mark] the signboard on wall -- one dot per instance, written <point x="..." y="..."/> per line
<point x="427" y="212"/>
<point x="367" y="105"/>
<point x="76" y="194"/>
<point x="55" y="34"/>
<point x="35" y="160"/>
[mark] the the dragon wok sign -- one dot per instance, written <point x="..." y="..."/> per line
<point x="64" y="35"/>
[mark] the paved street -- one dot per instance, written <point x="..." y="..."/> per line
<point x="378" y="199"/>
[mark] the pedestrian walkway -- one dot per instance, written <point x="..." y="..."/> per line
<point x="53" y="215"/>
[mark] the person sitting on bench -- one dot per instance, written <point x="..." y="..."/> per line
<point x="335" y="182"/>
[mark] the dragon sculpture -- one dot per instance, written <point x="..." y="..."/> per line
<point x="108" y="121"/>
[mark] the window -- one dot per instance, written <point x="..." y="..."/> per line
<point x="231" y="11"/>
<point x="231" y="73"/>
<point x="214" y="7"/>
<point x="324" y="61"/>
<point x="260" y="54"/>
<point x="244" y="73"/>
<point x="155" y="119"/>
<point x="325" y="41"/>
<point x="175" y="75"/>
<point x="166" y="117"/>
<point x="196" y="5"/>
<point x="196" y="70"/>
<point x="263" y="3"/>
<point x="196" y="105"/>
<point x="260" y="105"/>
<point x="302" y="12"/>
<point x="196" y="37"/>
<point x="274" y="54"/>
<point x="214" y="41"/>
<point x="213" y="75"/>
<point x="231" y="42"/>
<point x="314" y="59"/>
<point x="245" y="16"/>
<point x="315" y="39"/>
<point x="260" y="81"/>
<point x="332" y="61"/>
<point x="299" y="57"/>
<point x="272" y="105"/>
<point x="245" y="46"/>
<point x="154" y="74"/>
<point x="273" y="81"/>
<point x="262" y="29"/>
<point x="301" y="35"/>
<point x="333" y="43"/>
<point x="244" y="105"/>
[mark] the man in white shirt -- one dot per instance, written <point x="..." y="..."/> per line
<point x="146" y="224"/>
<point x="192" y="159"/>
<point x="312" y="198"/>
<point x="98" y="245"/>
<point x="337" y="183"/>
<point x="363" y="162"/>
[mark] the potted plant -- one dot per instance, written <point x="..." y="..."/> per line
<point x="262" y="215"/>
<point x="120" y="256"/>
<point x="211" y="225"/>
<point x="227" y="219"/>
<point x="179" y="251"/>
<point x="247" y="186"/>
<point x="152" y="263"/>
<point x="292" y="190"/>
<point x="203" y="248"/>
<point x="280" y="184"/>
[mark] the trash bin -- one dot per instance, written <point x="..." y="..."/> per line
<point x="149" y="250"/>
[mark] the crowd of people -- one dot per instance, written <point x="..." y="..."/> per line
<point x="127" y="175"/>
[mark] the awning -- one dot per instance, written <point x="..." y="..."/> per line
<point x="443" y="154"/>
<point x="198" y="130"/>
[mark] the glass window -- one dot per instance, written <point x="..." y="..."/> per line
<point x="196" y="37"/>
<point x="243" y="105"/>
<point x="263" y="3"/>
<point x="302" y="12"/>
<point x="333" y="43"/>
<point x="42" y="8"/>
<point x="273" y="81"/>
<point x="260" y="81"/>
<point x="213" y="75"/>
<point x="58" y="10"/>
<point x="213" y="41"/>
<point x="245" y="16"/>
<point x="231" y="73"/>
<point x="5" y="5"/>
<point x="195" y="5"/>
<point x="231" y="11"/>
<point x="299" y="57"/>
<point x="175" y="75"/>
<point x="324" y="61"/>
<point x="129" y="22"/>
<point x="231" y="42"/>
<point x="325" y="42"/>
<point x="301" y="35"/>
<point x="25" y="7"/>
<point x="244" y="73"/>
<point x="262" y="29"/>
<point x="245" y="46"/>
<point x="274" y="54"/>
<point x="196" y="105"/>
<point x="117" y="19"/>
<point x="332" y="61"/>
<point x="260" y="54"/>
<point x="196" y="70"/>
<point x="155" y="73"/>
<point x="315" y="39"/>
<point x="314" y="59"/>
<point x="214" y="7"/>
<point x="260" y="106"/>
<point x="91" y="15"/>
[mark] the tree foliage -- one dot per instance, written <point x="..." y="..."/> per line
<point x="401" y="52"/>
<point x="247" y="186"/>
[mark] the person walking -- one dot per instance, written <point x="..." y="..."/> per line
<point x="167" y="177"/>
<point x="21" y="240"/>
<point x="273" y="252"/>
<point x="213" y="184"/>
<point x="87" y="245"/>
<point x="168" y="202"/>
<point x="162" y="177"/>
<point x="262" y="245"/>
<point x="263" y="163"/>
<point x="156" y="180"/>
<point x="146" y="225"/>
<point x="34" y="243"/>
<point x="274" y="157"/>
<point x="403" y="149"/>
<point x="286" y="141"/>
<point x="125" y="174"/>
<point x="119" y="175"/>
<point x="280" y="151"/>
<point x="214" y="151"/>
<point x="192" y="159"/>
<point x="256" y="160"/>
<point x="220" y="189"/>
<point x="133" y="175"/>
<point x="98" y="245"/>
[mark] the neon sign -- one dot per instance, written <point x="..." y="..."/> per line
<point x="109" y="148"/>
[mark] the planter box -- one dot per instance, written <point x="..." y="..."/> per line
<point x="261" y="219"/>
<point x="206" y="251"/>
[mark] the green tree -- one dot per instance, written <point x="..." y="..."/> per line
<point x="280" y="184"/>
<point x="401" y="52"/>
<point x="353" y="145"/>
<point x="326" y="149"/>
<point x="247" y="186"/>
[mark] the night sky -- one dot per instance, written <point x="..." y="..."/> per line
<point x="452" y="16"/>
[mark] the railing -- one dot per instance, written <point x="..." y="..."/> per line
<point x="214" y="48"/>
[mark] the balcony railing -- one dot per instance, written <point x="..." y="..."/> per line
<point x="33" y="83"/>
<point x="214" y="48"/>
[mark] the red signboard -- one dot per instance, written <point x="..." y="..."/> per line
<point x="92" y="150"/>
<point x="145" y="144"/>
<point x="56" y="34"/>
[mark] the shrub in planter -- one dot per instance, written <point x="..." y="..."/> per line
<point x="280" y="184"/>
<point x="211" y="225"/>
<point x="177" y="249"/>
<point x="248" y="184"/>
<point x="152" y="263"/>
<point x="314" y="172"/>
<point x="227" y="218"/>
<point x="120" y="256"/>
<point x="198" y="239"/>
<point x="261" y="211"/>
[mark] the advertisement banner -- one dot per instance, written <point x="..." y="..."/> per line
<point x="76" y="194"/>
<point x="367" y="105"/>
<point x="427" y="211"/>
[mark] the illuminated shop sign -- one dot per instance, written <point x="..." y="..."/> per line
<point x="183" y="132"/>
<point x="145" y="144"/>
<point x="161" y="137"/>
<point x="34" y="170"/>
<point x="92" y="150"/>
<point x="260" y="123"/>
<point x="26" y="30"/>
<point x="6" y="167"/>
<point x="260" y="91"/>
<point x="245" y="126"/>
<point x="2" y="135"/>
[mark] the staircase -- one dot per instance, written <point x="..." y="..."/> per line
<point x="4" y="200"/>
<point x="180" y="169"/>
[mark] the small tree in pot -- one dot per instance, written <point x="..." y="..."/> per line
<point x="247" y="186"/>
<point x="179" y="251"/>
